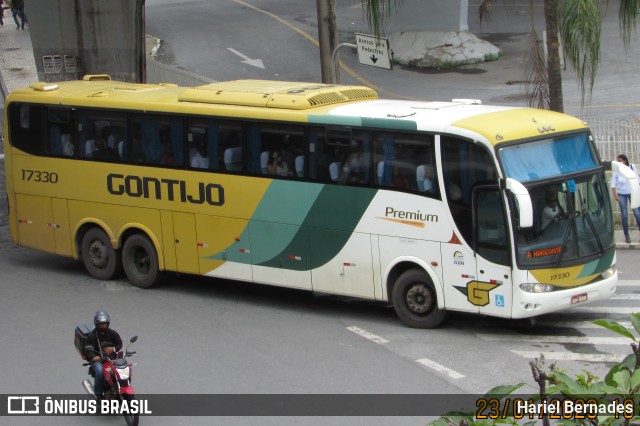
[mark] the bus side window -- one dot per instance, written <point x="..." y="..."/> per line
<point x="60" y="128"/>
<point x="157" y="140"/>
<point x="273" y="149"/>
<point x="404" y="162"/>
<point x="25" y="128"/>
<point x="202" y="143"/>
<point x="229" y="137"/>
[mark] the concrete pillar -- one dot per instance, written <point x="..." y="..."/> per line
<point x="72" y="38"/>
<point x="430" y="15"/>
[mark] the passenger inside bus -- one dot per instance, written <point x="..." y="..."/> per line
<point x="200" y="160"/>
<point x="167" y="154"/>
<point x="424" y="178"/>
<point x="399" y="180"/>
<point x="104" y="152"/>
<point x="68" y="148"/>
<point x="277" y="166"/>
<point x="90" y="141"/>
<point x="354" y="168"/>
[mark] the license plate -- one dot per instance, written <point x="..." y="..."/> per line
<point x="579" y="298"/>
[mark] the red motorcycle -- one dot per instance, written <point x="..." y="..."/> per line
<point x="118" y="395"/>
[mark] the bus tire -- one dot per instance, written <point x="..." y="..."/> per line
<point x="140" y="261"/>
<point x="415" y="300"/>
<point x="100" y="259"/>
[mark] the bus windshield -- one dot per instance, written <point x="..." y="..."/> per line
<point x="572" y="214"/>
<point x="549" y="157"/>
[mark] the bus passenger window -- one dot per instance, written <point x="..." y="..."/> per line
<point x="405" y="162"/>
<point x="157" y="140"/>
<point x="101" y="130"/>
<point x="59" y="123"/>
<point x="273" y="149"/>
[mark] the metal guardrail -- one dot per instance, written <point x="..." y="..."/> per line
<point x="616" y="137"/>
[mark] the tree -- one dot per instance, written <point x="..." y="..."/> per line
<point x="577" y="22"/>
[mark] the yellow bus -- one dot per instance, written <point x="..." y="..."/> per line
<point x="429" y="206"/>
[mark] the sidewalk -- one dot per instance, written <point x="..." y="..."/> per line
<point x="18" y="69"/>
<point x="17" y="64"/>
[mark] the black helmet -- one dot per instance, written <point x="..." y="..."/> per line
<point x="101" y="317"/>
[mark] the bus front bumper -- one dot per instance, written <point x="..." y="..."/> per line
<point x="526" y="305"/>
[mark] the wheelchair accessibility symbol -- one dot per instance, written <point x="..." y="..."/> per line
<point x="499" y="301"/>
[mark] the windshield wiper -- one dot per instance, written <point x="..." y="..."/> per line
<point x="592" y="227"/>
<point x="565" y="238"/>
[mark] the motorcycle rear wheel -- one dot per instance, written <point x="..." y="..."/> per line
<point x="131" y="419"/>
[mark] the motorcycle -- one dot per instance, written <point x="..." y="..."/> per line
<point x="117" y="380"/>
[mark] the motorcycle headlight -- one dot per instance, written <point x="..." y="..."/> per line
<point x="536" y="287"/>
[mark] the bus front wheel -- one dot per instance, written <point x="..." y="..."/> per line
<point x="101" y="260"/>
<point x="140" y="261"/>
<point x="415" y="300"/>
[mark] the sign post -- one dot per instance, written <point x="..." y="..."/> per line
<point x="373" y="51"/>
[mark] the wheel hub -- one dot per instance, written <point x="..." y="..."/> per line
<point x="98" y="254"/>
<point x="142" y="261"/>
<point x="419" y="299"/>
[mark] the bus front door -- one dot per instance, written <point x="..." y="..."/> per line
<point x="493" y="292"/>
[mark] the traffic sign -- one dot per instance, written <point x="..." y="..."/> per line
<point x="373" y="51"/>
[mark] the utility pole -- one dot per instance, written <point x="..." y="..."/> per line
<point x="328" y="37"/>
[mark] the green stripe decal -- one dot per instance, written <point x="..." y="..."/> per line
<point x="275" y="222"/>
<point x="300" y="226"/>
<point x="381" y="123"/>
<point x="387" y="123"/>
<point x="597" y="266"/>
<point x="326" y="229"/>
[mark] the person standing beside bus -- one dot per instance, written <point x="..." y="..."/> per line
<point x="17" y="8"/>
<point x="622" y="194"/>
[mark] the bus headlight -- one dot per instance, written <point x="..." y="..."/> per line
<point x="536" y="287"/>
<point x="609" y="272"/>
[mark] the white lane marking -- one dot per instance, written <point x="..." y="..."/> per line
<point x="626" y="310"/>
<point x="626" y="296"/>
<point x="578" y="324"/>
<point x="583" y="340"/>
<point x="570" y="356"/>
<point x="364" y="333"/>
<point x="440" y="368"/>
<point x="628" y="282"/>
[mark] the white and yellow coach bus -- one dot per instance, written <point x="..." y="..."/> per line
<point x="431" y="206"/>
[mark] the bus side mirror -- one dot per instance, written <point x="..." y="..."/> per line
<point x="632" y="178"/>
<point x="525" y="208"/>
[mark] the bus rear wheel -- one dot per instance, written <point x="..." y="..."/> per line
<point x="415" y="300"/>
<point x="140" y="261"/>
<point x="101" y="260"/>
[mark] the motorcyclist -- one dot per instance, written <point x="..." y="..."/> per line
<point x="106" y="341"/>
